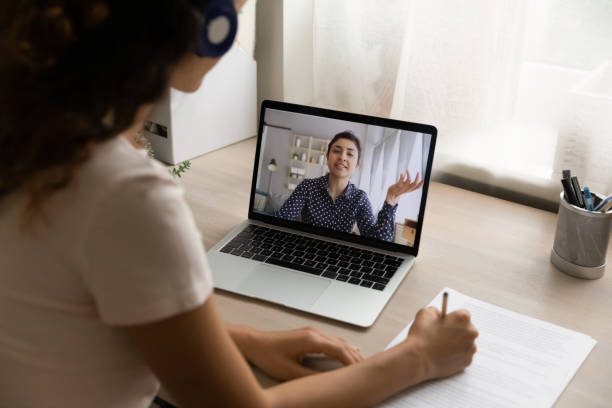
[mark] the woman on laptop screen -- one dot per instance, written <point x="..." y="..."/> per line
<point x="332" y="201"/>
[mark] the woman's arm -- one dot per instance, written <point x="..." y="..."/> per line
<point x="380" y="228"/>
<point x="280" y="353"/>
<point x="402" y="186"/>
<point x="293" y="206"/>
<point x="198" y="363"/>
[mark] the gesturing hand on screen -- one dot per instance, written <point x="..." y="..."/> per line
<point x="402" y="186"/>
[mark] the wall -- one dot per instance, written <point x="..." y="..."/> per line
<point x="246" y="27"/>
<point x="269" y="50"/>
<point x="284" y="50"/>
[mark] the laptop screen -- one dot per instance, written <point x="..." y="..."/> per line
<point x="354" y="177"/>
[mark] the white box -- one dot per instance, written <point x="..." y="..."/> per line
<point x="223" y="111"/>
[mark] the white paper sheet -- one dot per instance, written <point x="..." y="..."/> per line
<point x="520" y="362"/>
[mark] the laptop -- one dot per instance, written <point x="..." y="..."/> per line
<point x="343" y="258"/>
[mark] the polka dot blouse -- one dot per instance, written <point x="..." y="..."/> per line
<point x="311" y="203"/>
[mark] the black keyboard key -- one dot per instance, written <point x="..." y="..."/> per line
<point x="290" y="265"/>
<point x="389" y="275"/>
<point x="268" y="240"/>
<point x="320" y="265"/>
<point x="287" y="258"/>
<point x="309" y="262"/>
<point x="289" y="246"/>
<point x="378" y="286"/>
<point x="298" y="260"/>
<point x="354" y="267"/>
<point x="329" y="274"/>
<point x="356" y="261"/>
<point x="366" y="283"/>
<point x="309" y="255"/>
<point x="378" y="272"/>
<point x="378" y="259"/>
<point x="345" y="258"/>
<point x="354" y="281"/>
<point x="323" y="253"/>
<point x="342" y="278"/>
<point x="236" y="245"/>
<point x="237" y="252"/>
<point x="266" y="252"/>
<point x="392" y="261"/>
<point x="320" y="259"/>
<point x="344" y="271"/>
<point x="331" y="261"/>
<point x="259" y="258"/>
<point x="233" y="244"/>
<point x="247" y="255"/>
<point x="265" y="246"/>
<point x="277" y="255"/>
<point x="343" y="264"/>
<point x="277" y="248"/>
<point x="333" y="268"/>
<point x="241" y="239"/>
<point x="367" y="263"/>
<point x="227" y="249"/>
<point x="365" y="269"/>
<point x="300" y="248"/>
<point x="366" y="256"/>
<point x="298" y="253"/>
<point x="391" y="268"/>
<point x="376" y="279"/>
<point x="357" y="274"/>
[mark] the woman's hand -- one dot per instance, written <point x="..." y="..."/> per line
<point x="403" y="186"/>
<point x="280" y="353"/>
<point x="446" y="344"/>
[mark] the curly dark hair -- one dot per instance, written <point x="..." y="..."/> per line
<point x="73" y="73"/>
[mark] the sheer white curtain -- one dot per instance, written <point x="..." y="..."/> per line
<point x="518" y="89"/>
<point x="387" y="153"/>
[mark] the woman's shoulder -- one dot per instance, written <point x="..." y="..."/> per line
<point x="309" y="183"/>
<point x="360" y="194"/>
<point x="116" y="161"/>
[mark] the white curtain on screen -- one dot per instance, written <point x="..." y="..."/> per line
<point x="517" y="89"/>
<point x="387" y="153"/>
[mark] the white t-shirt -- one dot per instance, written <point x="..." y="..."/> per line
<point x="119" y="247"/>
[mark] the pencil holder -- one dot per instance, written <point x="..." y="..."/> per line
<point x="581" y="240"/>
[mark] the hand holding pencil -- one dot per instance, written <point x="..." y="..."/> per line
<point x="446" y="341"/>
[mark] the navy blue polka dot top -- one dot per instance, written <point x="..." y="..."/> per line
<point x="311" y="203"/>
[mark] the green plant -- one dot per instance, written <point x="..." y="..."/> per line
<point x="177" y="171"/>
<point x="181" y="169"/>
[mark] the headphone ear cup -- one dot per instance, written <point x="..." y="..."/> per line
<point x="220" y="28"/>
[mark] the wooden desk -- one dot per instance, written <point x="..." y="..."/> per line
<point x="485" y="247"/>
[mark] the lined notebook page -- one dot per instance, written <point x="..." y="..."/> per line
<point x="520" y="362"/>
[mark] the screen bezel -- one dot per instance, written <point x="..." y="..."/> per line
<point x="352" y="117"/>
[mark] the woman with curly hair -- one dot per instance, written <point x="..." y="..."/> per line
<point x="105" y="290"/>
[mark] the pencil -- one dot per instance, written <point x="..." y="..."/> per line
<point x="444" y="302"/>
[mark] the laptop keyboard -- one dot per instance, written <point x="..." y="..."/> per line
<point x="322" y="258"/>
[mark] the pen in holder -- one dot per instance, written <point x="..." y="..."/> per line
<point x="581" y="240"/>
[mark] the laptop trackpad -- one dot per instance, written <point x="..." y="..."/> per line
<point x="279" y="285"/>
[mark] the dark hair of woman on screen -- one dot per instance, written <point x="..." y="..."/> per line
<point x="333" y="202"/>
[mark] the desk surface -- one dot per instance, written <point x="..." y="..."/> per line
<point x="485" y="247"/>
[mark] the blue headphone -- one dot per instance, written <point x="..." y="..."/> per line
<point x="220" y="27"/>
